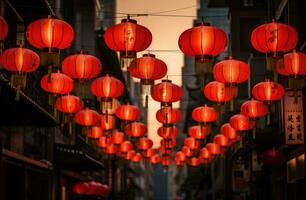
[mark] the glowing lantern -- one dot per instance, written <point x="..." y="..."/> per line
<point x="148" y="69"/>
<point x="191" y="143"/>
<point x="155" y="159"/>
<point x="117" y="138"/>
<point x="194" y="162"/>
<point x="148" y="153"/>
<point x="274" y="39"/>
<point x="204" y="154"/>
<point x="110" y="149"/>
<point x="253" y="109"/>
<point x="3" y="29"/>
<point x="166" y="161"/>
<point x="80" y="188"/>
<point x="136" y="129"/>
<point x="50" y="35"/>
<point x="168" y="116"/>
<point x="164" y="151"/>
<point x="268" y="91"/>
<point x="58" y="84"/>
<point x="167" y="132"/>
<point x="198" y="132"/>
<point x="106" y="88"/>
<point x="221" y="140"/>
<point x="217" y="92"/>
<point x="103" y="142"/>
<point x="231" y="72"/>
<point x="69" y="104"/>
<point x="125" y="146"/>
<point x="204" y="114"/>
<point x="87" y="117"/>
<point x="186" y="150"/>
<point x="241" y="122"/>
<point x="127" y="113"/>
<point x="130" y="154"/>
<point x="81" y="66"/>
<point x="136" y="158"/>
<point x="228" y="132"/>
<point x="293" y="66"/>
<point x="19" y="61"/>
<point x="144" y="144"/>
<point x="166" y="93"/>
<point x="202" y="42"/>
<point x="128" y="38"/>
<point x="168" y="143"/>
<point x="95" y="132"/>
<point x="180" y="156"/>
<point x="213" y="149"/>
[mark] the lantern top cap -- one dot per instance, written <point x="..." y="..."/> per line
<point x="166" y="80"/>
<point x="149" y="55"/>
<point x="202" y="23"/>
<point x="129" y="20"/>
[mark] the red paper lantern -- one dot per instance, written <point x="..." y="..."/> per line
<point x="117" y="138"/>
<point x="168" y="143"/>
<point x="294" y="64"/>
<point x="130" y="154"/>
<point x="180" y="156"/>
<point x="191" y="143"/>
<point x="87" y="117"/>
<point x="20" y="60"/>
<point x="253" y="109"/>
<point x="166" y="161"/>
<point x="144" y="144"/>
<point x="204" y="154"/>
<point x="69" y="104"/>
<point x="107" y="122"/>
<point x="127" y="112"/>
<point x="202" y="42"/>
<point x="164" y="151"/>
<point x="241" y="122"/>
<point x="268" y="91"/>
<point x="168" y="116"/>
<point x="57" y="84"/>
<point x="106" y="88"/>
<point x="194" y="162"/>
<point x="213" y="149"/>
<point x="166" y="93"/>
<point x="81" y="66"/>
<point x="126" y="146"/>
<point x="80" y="188"/>
<point x="167" y="132"/>
<point x="186" y="150"/>
<point x="136" y="158"/>
<point x="217" y="92"/>
<point x="136" y="129"/>
<point x="149" y="153"/>
<point x="231" y="72"/>
<point x="198" y="132"/>
<point x="228" y="131"/>
<point x="204" y="114"/>
<point x="95" y="132"/>
<point x="110" y="149"/>
<point x="51" y="34"/>
<point x="221" y="140"/>
<point x="273" y="157"/>
<point x="148" y="69"/>
<point x="3" y="28"/>
<point x="103" y="142"/>
<point x="128" y="37"/>
<point x="155" y="159"/>
<point x="273" y="38"/>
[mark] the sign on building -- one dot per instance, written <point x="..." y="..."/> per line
<point x="293" y="117"/>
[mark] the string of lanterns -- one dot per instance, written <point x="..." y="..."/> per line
<point x="203" y="43"/>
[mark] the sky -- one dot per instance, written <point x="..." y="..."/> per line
<point x="165" y="31"/>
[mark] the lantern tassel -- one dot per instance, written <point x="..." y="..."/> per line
<point x="254" y="133"/>
<point x="147" y="101"/>
<point x="232" y="105"/>
<point x="268" y="118"/>
<point x="49" y="73"/>
<point x="17" y="97"/>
